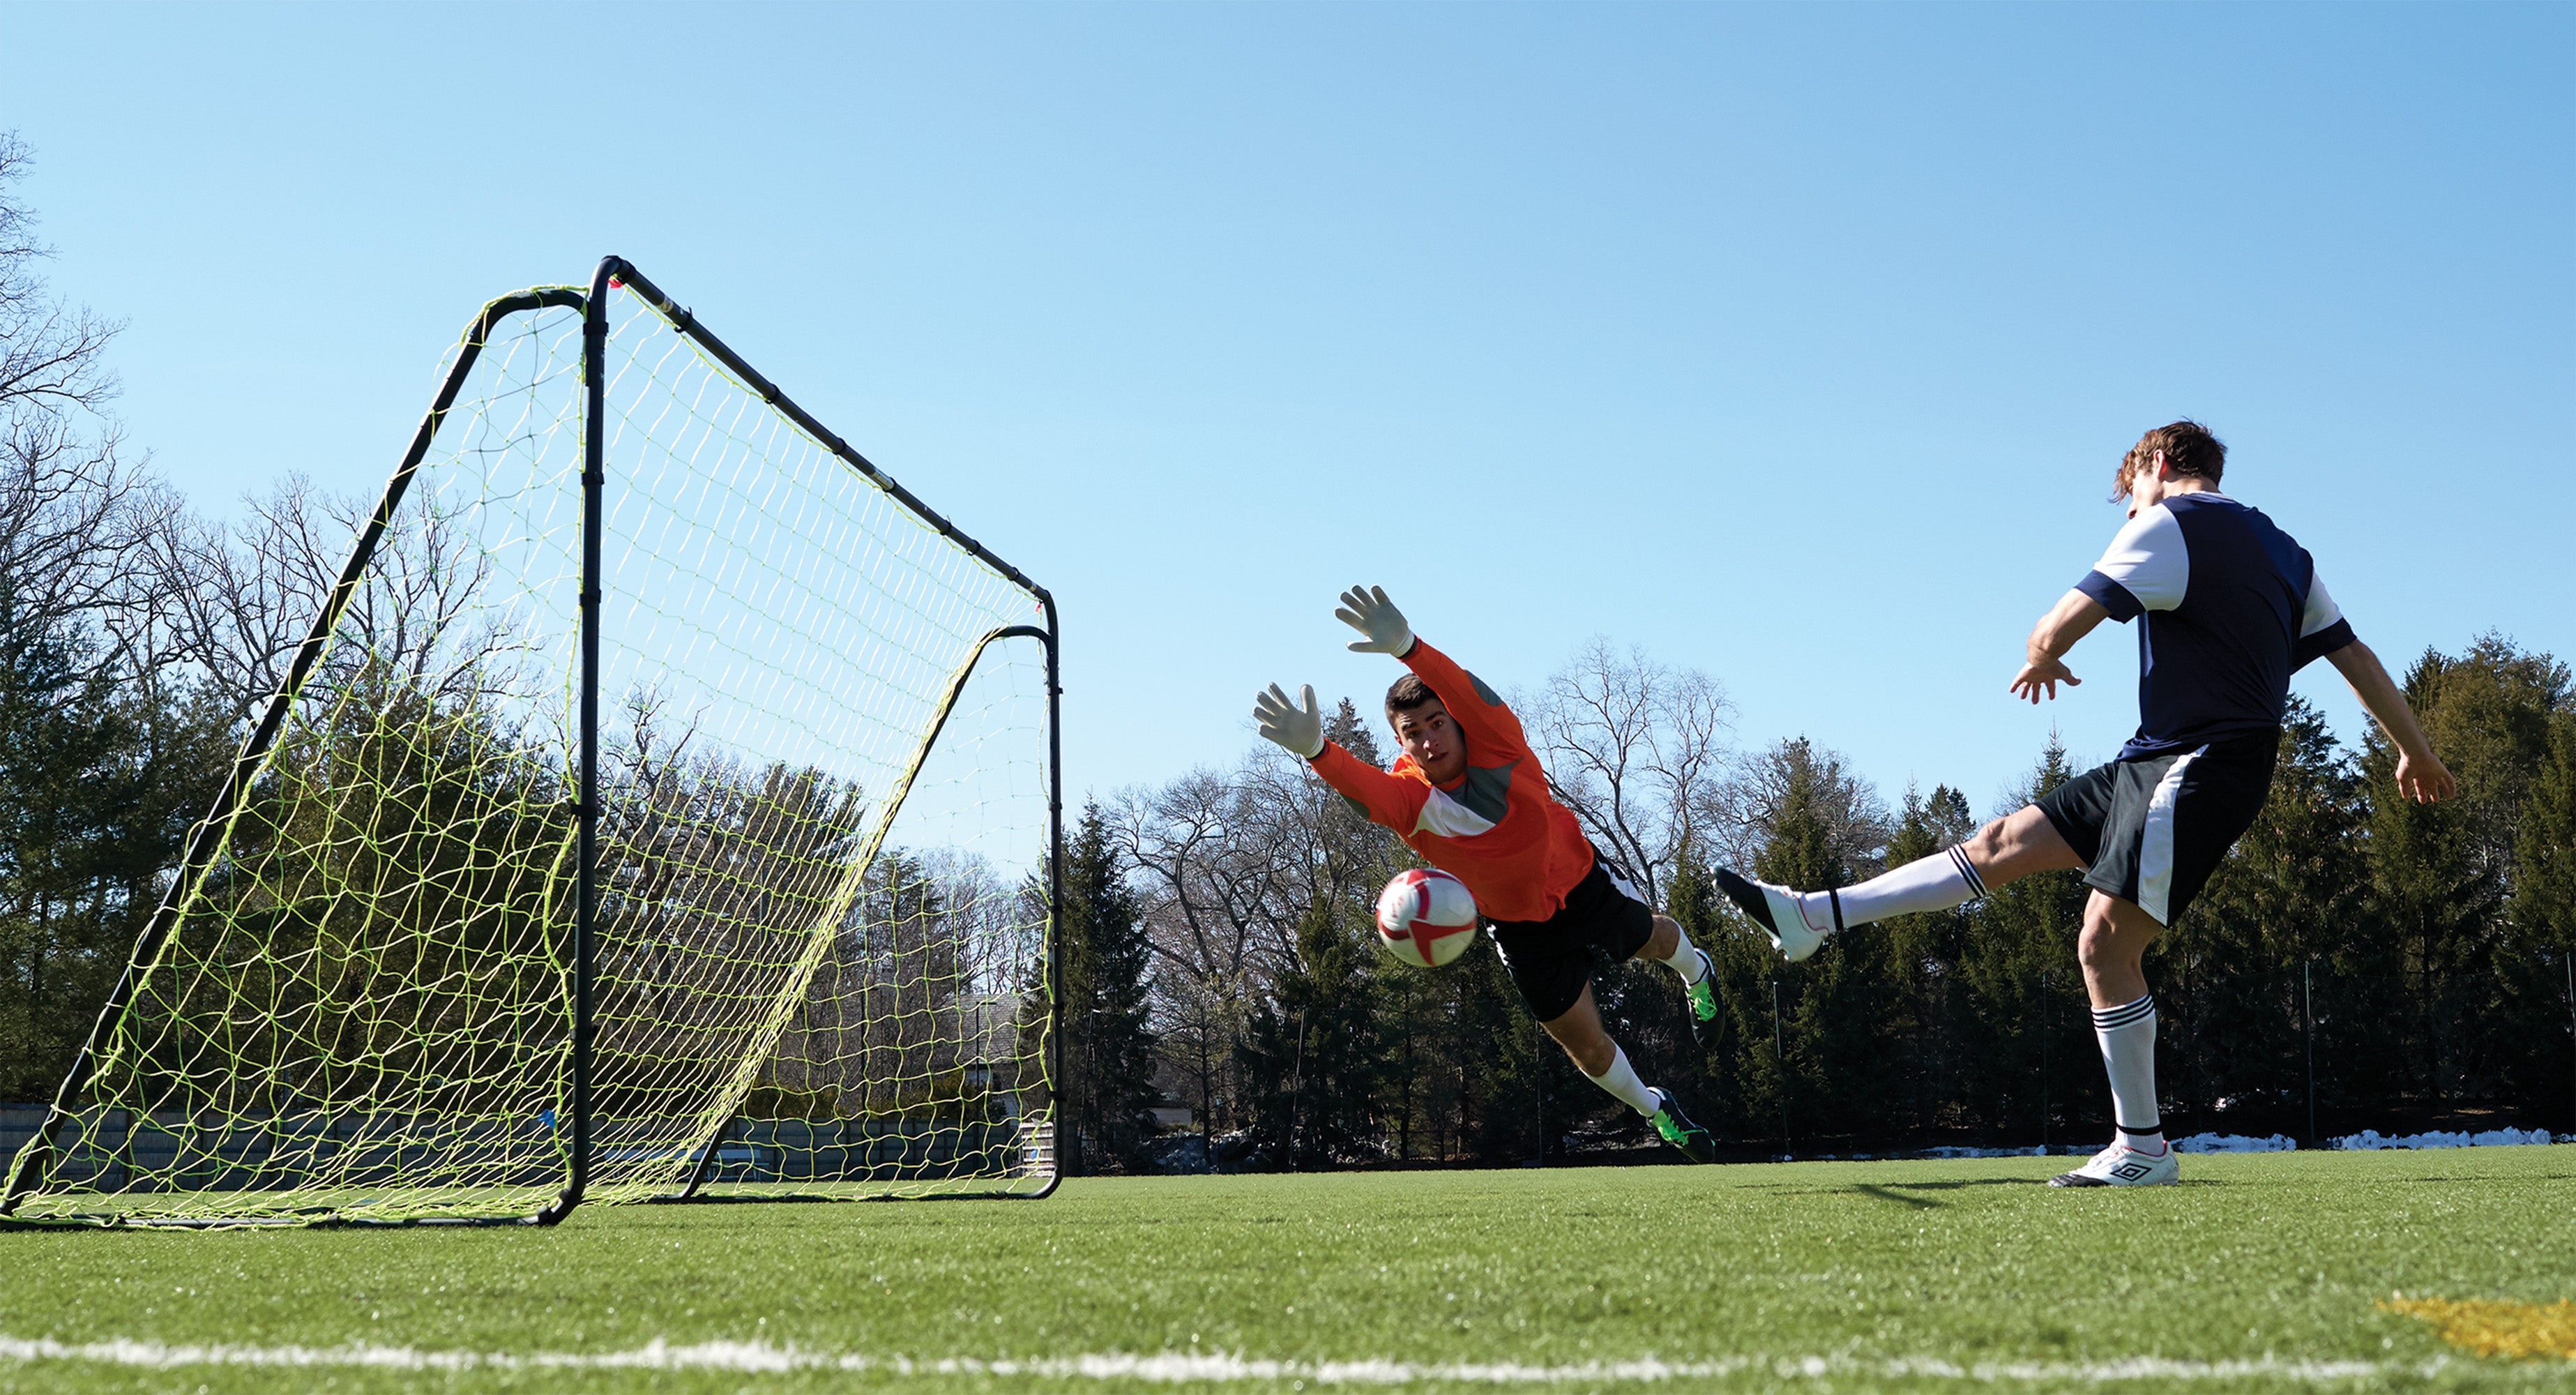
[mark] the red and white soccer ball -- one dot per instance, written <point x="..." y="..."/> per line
<point x="1426" y="917"/>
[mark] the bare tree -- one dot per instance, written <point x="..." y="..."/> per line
<point x="73" y="510"/>
<point x="1227" y="863"/>
<point x="1745" y="809"/>
<point x="1209" y="886"/>
<point x="431" y="612"/>
<point x="1637" y="750"/>
<point x="242" y="598"/>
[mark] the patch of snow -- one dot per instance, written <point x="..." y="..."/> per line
<point x="2228" y="1143"/>
<point x="2492" y="1138"/>
<point x="2235" y="1143"/>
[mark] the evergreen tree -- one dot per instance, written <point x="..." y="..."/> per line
<point x="1315" y="1059"/>
<point x="1923" y="956"/>
<point x="2544" y="915"/>
<point x="1485" y="1077"/>
<point x="2026" y="1039"/>
<point x="2544" y="885"/>
<point x="1107" y="1094"/>
<point x="1838" y="1011"/>
<point x="100" y="778"/>
<point x="2437" y="895"/>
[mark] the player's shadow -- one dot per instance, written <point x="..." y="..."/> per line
<point x="1898" y="1191"/>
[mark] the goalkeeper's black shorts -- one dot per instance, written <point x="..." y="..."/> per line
<point x="1551" y="960"/>
<point x="2152" y="830"/>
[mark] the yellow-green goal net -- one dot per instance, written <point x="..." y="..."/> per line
<point x="664" y="807"/>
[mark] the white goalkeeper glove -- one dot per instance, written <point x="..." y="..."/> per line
<point x="1301" y="730"/>
<point x="1367" y="610"/>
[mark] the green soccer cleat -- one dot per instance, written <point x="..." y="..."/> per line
<point x="1703" y="1004"/>
<point x="1694" y="1142"/>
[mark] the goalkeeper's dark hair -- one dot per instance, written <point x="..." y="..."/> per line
<point x="2189" y="449"/>
<point x="1408" y="693"/>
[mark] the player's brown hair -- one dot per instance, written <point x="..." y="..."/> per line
<point x="2189" y="449"/>
<point x="1408" y="693"/>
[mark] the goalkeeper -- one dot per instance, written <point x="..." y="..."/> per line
<point x="1468" y="794"/>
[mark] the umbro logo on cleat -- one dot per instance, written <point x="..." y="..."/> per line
<point x="2131" y="1170"/>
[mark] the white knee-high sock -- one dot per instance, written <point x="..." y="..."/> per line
<point x="1621" y="1080"/>
<point x="1936" y="883"/>
<point x="2128" y="1037"/>
<point x="1684" y="959"/>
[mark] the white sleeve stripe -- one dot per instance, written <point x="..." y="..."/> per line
<point x="2321" y="612"/>
<point x="2149" y="559"/>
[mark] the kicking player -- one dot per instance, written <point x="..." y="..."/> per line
<point x="2228" y="607"/>
<point x="1470" y="796"/>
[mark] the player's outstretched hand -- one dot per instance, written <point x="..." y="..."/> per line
<point x="1300" y="729"/>
<point x="2425" y="781"/>
<point x="2042" y="672"/>
<point x="1367" y="610"/>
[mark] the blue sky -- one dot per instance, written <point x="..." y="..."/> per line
<point x="1793" y="343"/>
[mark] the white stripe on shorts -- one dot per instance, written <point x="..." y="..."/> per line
<point x="2156" y="841"/>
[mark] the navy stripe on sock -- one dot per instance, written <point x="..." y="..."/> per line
<point x="2105" y="1019"/>
<point x="1968" y="872"/>
<point x="2151" y="1128"/>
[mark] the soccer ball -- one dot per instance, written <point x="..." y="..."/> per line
<point x="1426" y="917"/>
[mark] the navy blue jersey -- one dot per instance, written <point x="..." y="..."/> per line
<point x="2228" y="607"/>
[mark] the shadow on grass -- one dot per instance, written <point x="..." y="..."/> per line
<point x="1899" y="1191"/>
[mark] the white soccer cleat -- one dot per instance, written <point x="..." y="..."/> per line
<point x="1776" y="910"/>
<point x="2123" y="1166"/>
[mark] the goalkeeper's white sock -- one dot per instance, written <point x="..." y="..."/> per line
<point x="1685" y="958"/>
<point x="1936" y="883"/>
<point x="2128" y="1037"/>
<point x="1621" y="1080"/>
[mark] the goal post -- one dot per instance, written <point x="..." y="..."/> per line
<point x="665" y="806"/>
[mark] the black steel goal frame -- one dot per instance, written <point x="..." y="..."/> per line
<point x="613" y="272"/>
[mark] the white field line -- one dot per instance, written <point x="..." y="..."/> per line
<point x="1215" y="1367"/>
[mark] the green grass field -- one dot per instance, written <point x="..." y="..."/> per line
<point x="2259" y="1272"/>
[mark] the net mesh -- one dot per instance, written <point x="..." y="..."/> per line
<point x="821" y="932"/>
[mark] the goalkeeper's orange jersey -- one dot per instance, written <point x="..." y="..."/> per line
<point x="1497" y="829"/>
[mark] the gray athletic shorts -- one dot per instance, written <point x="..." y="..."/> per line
<point x="2152" y="830"/>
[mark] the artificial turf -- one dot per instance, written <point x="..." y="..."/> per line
<point x="1833" y="1275"/>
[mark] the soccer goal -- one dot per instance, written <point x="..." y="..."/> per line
<point x="664" y="807"/>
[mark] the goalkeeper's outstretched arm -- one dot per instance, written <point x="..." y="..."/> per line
<point x="1298" y="728"/>
<point x="1492" y="731"/>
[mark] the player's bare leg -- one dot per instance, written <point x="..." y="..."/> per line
<point x="2004" y="851"/>
<point x="1671" y="948"/>
<point x="1665" y="942"/>
<point x="2016" y="845"/>
<point x="1578" y="1030"/>
<point x="2112" y="948"/>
